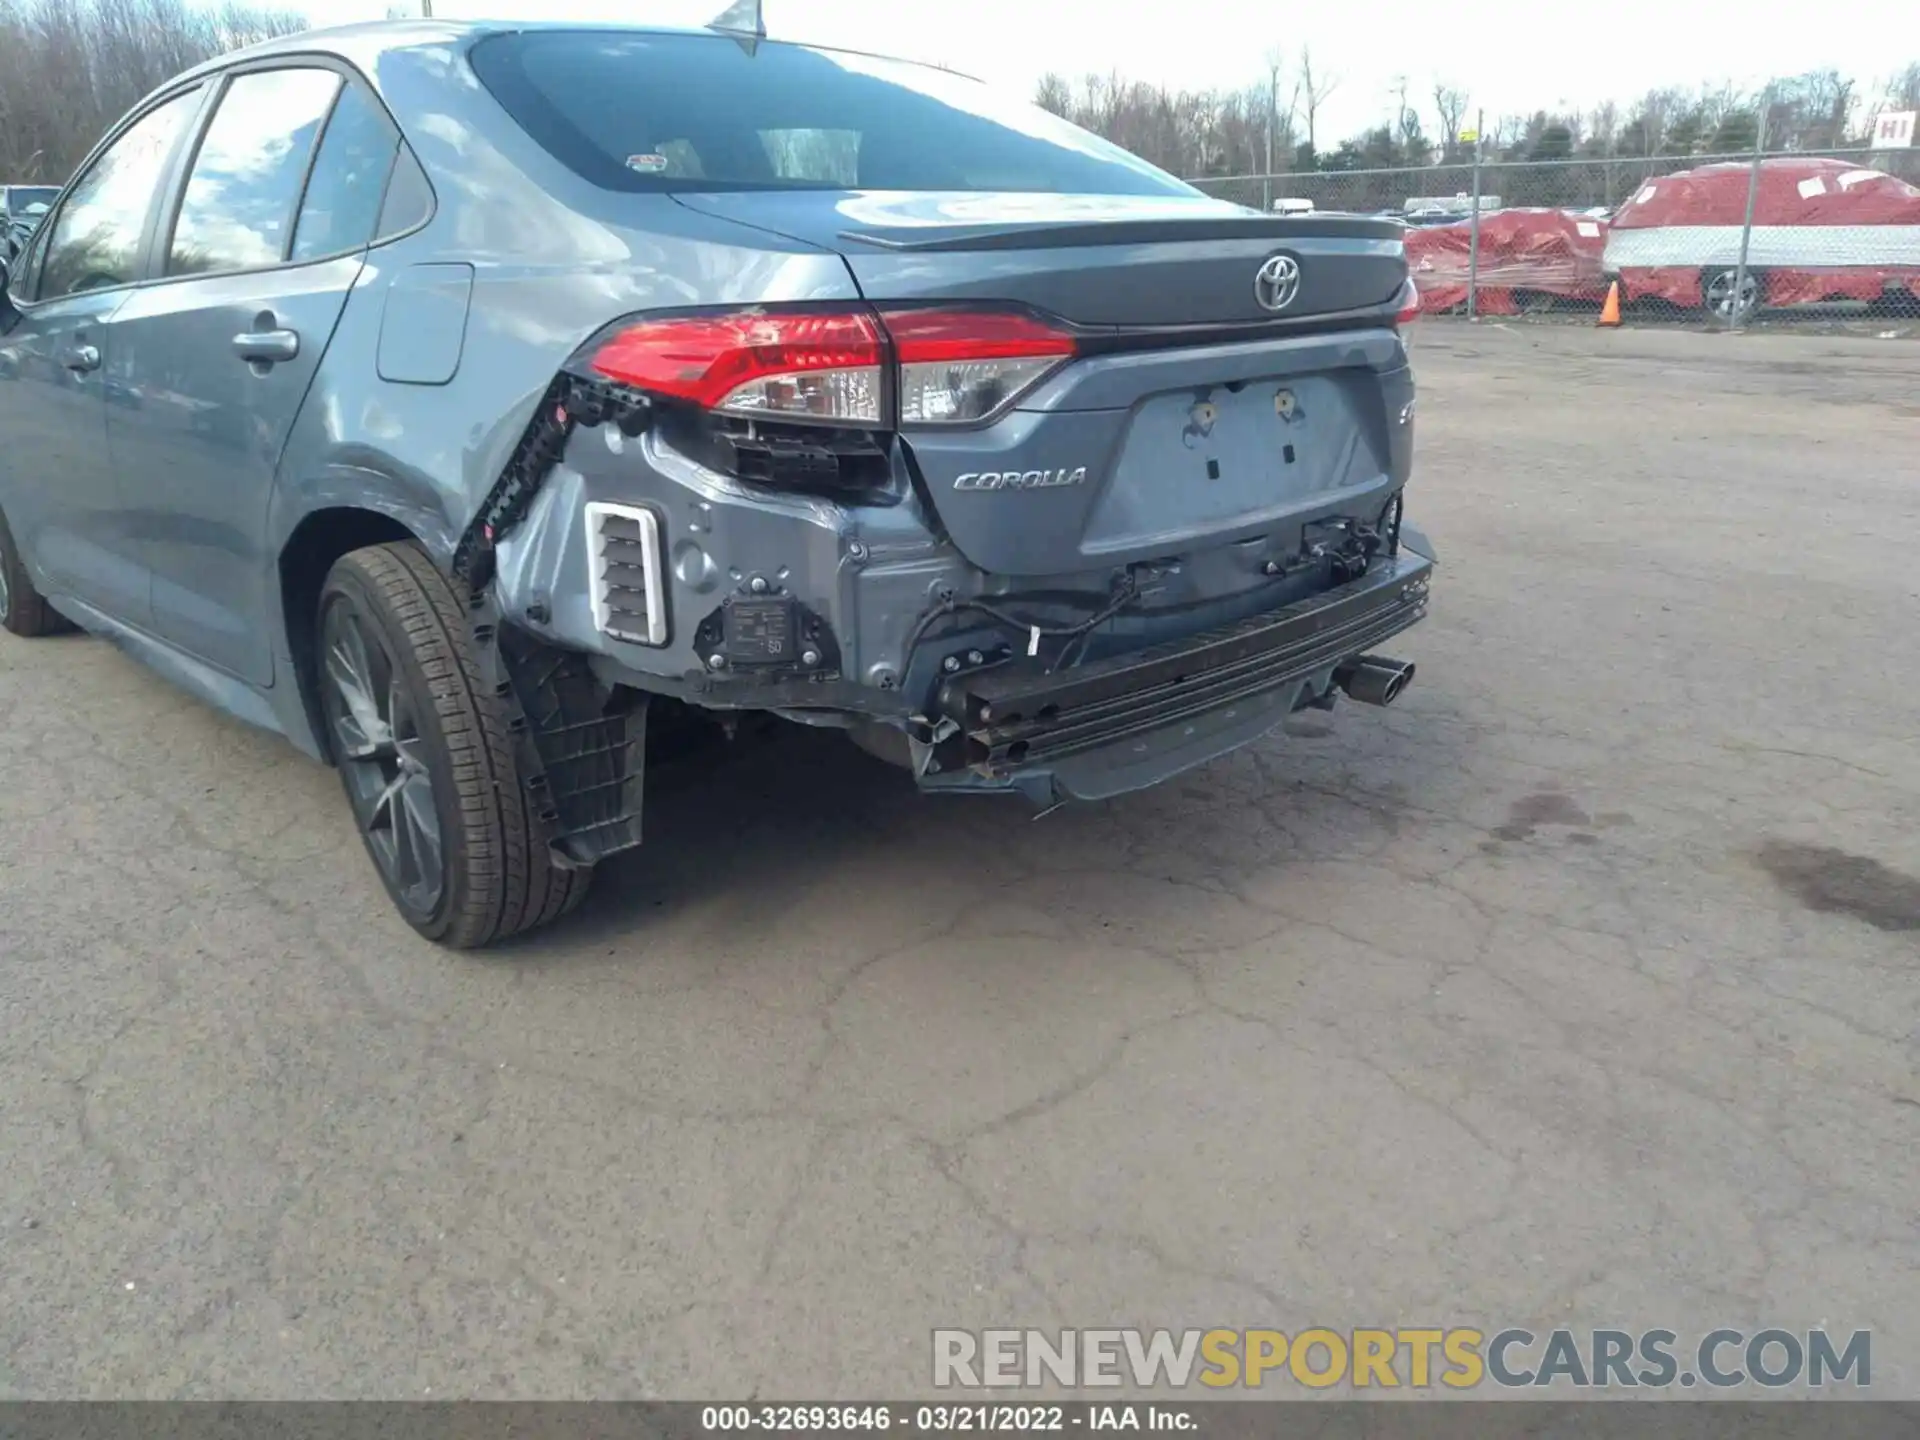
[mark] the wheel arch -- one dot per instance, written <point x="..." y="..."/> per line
<point x="312" y="544"/>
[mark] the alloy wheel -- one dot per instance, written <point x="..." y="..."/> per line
<point x="1720" y="295"/>
<point x="382" y="755"/>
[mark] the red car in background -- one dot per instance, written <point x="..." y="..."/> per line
<point x="1528" y="260"/>
<point x="1823" y="230"/>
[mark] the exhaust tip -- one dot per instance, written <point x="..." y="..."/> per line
<point x="1374" y="679"/>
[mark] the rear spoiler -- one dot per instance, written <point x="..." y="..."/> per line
<point x="1277" y="228"/>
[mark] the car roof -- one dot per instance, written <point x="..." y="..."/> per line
<point x="364" y="42"/>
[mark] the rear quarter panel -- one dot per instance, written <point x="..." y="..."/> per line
<point x="553" y="260"/>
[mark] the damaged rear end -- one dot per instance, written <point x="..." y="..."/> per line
<point x="1071" y="491"/>
<point x="1012" y="519"/>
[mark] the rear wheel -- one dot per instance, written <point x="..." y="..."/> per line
<point x="425" y="756"/>
<point x="1717" y="291"/>
<point x="23" y="609"/>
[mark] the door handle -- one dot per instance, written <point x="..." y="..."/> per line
<point x="267" y="346"/>
<point x="82" y="358"/>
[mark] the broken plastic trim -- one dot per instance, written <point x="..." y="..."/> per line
<point x="569" y="402"/>
<point x="579" y="747"/>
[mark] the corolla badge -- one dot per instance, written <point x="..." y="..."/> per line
<point x="1020" y="479"/>
<point x="1277" y="282"/>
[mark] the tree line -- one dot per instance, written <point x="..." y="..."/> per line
<point x="1199" y="134"/>
<point x="70" y="68"/>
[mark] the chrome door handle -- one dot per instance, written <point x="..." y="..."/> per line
<point x="268" y="346"/>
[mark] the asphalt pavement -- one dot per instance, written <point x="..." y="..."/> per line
<point x="1579" y="988"/>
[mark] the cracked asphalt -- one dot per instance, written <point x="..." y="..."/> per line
<point x="1579" y="988"/>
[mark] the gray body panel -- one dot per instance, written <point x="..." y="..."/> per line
<point x="423" y="359"/>
<point x="1094" y="260"/>
<point x="198" y="448"/>
<point x="54" y="418"/>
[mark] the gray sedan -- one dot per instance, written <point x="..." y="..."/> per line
<point x="465" y="401"/>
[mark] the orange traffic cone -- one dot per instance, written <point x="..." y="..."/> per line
<point x="1610" y="312"/>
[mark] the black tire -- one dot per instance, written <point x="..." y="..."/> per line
<point x="445" y="754"/>
<point x="23" y="609"/>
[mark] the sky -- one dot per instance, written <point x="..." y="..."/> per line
<point x="1510" y="56"/>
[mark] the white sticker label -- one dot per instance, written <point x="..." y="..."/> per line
<point x="1647" y="192"/>
<point x="1589" y="229"/>
<point x="1858" y="177"/>
<point x="1813" y="185"/>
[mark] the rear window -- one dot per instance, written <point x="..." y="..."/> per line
<point x="697" y="112"/>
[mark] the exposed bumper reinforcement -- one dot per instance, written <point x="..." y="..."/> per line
<point x="1017" y="717"/>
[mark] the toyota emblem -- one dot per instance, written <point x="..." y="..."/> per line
<point x="1277" y="282"/>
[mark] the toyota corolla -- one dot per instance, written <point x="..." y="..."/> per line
<point x="452" y="398"/>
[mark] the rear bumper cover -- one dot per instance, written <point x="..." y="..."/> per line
<point x="1118" y="725"/>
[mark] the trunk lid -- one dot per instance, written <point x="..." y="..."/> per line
<point x="1196" y="416"/>
<point x="1091" y="259"/>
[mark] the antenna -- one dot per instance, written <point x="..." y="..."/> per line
<point x="742" y="20"/>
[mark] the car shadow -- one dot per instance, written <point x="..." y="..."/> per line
<point x="744" y="824"/>
<point x="760" y="831"/>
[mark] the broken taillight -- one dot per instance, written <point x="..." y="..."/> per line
<point x="947" y="366"/>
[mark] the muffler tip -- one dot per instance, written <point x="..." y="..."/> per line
<point x="1374" y="679"/>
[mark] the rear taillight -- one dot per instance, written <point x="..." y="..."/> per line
<point x="789" y="364"/>
<point x="1409" y="307"/>
<point x="959" y="367"/>
<point x="949" y="367"/>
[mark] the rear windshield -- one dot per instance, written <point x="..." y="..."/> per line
<point x="643" y="111"/>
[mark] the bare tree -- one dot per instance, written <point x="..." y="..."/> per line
<point x="1054" y="93"/>
<point x="70" y="68"/>
<point x="1221" y="132"/>
<point x="1274" y="57"/>
<point x="1603" y="128"/>
<point x="1451" y="102"/>
<point x="1406" y="115"/>
<point x="1190" y="132"/>
<point x="1813" y="111"/>
<point x="1903" y="90"/>
<point x="1310" y="93"/>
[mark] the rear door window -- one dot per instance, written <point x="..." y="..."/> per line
<point x="238" y="210"/>
<point x="349" y="180"/>
<point x="698" y="112"/>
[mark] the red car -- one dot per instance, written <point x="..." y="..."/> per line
<point x="1823" y="230"/>
<point x="1528" y="260"/>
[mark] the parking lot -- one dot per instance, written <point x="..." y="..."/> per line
<point x="1582" y="987"/>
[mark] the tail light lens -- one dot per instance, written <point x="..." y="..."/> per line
<point x="795" y="365"/>
<point x="960" y="367"/>
<point x="951" y="367"/>
<point x="1409" y="307"/>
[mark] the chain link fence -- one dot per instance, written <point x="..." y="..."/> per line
<point x="1705" y="239"/>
